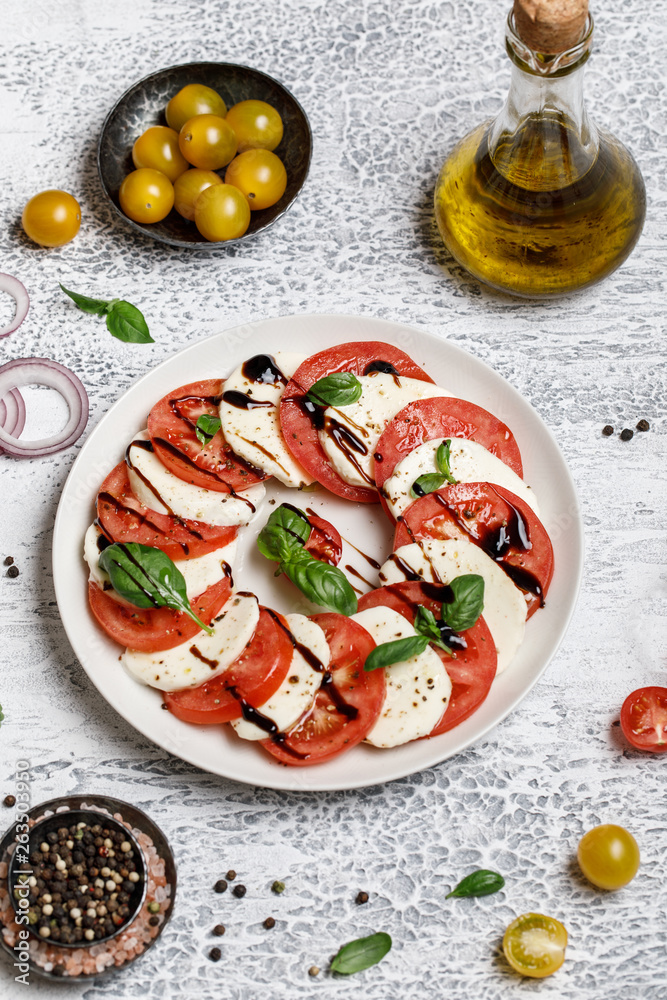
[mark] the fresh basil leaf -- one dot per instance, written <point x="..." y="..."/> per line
<point x="395" y="652"/>
<point x="147" y="578"/>
<point x="206" y="428"/>
<point x="320" y="582"/>
<point x="428" y="483"/>
<point x="361" y="954"/>
<point x="468" y="604"/>
<point x="425" y="624"/>
<point x="126" y="323"/>
<point x="97" y="307"/>
<point x="442" y="459"/>
<point x="480" y="883"/>
<point x="274" y="543"/>
<point x="337" y="389"/>
<point x="292" y="520"/>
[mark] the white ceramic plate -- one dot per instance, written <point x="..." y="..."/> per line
<point x="216" y="748"/>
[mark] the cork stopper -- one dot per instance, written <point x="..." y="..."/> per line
<point x="550" y="26"/>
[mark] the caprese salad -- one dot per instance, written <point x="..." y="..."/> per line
<point x="410" y="658"/>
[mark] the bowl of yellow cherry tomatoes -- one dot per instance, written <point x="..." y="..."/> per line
<point x="204" y="155"/>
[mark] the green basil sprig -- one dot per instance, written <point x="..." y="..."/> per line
<point x="480" y="883"/>
<point x="396" y="651"/>
<point x="147" y="578"/>
<point x="432" y="481"/>
<point x="124" y="321"/>
<point x="426" y="624"/>
<point x="206" y="428"/>
<point x="361" y="954"/>
<point x="468" y="604"/>
<point x="337" y="389"/>
<point x="282" y="539"/>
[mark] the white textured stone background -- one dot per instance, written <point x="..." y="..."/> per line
<point x="388" y="85"/>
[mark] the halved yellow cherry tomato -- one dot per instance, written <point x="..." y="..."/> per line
<point x="608" y="856"/>
<point x="221" y="213"/>
<point x="146" y="195"/>
<point x="257" y="125"/>
<point x="534" y="945"/>
<point x="207" y="142"/>
<point x="157" y="148"/>
<point x="261" y="176"/>
<point x="51" y="218"/>
<point x="189" y="186"/>
<point x="193" y="99"/>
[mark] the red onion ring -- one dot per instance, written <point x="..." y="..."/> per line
<point x="12" y="413"/>
<point x="27" y="371"/>
<point x="18" y="292"/>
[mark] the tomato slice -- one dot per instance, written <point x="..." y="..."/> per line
<point x="324" y="541"/>
<point x="123" y="518"/>
<point x="172" y="427"/>
<point x="154" y="629"/>
<point x="473" y="669"/>
<point x="297" y="424"/>
<point x="644" y="719"/>
<point x="442" y="417"/>
<point x="251" y="679"/>
<point x="499" y="522"/>
<point x="346" y="706"/>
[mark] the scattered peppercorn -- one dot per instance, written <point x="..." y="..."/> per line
<point x="219" y="930"/>
<point x="9" y="801"/>
<point x="153" y="907"/>
<point x="643" y="425"/>
<point x="215" y="954"/>
<point x="278" y="887"/>
<point x="153" y="921"/>
<point x="362" y="897"/>
<point x="58" y="970"/>
<point x="231" y="874"/>
<point x="9" y="560"/>
<point x="607" y="430"/>
<point x="626" y="434"/>
<point x="220" y="886"/>
<point x="13" y="572"/>
<point x="269" y="923"/>
<point x="239" y="891"/>
<point x="314" y="971"/>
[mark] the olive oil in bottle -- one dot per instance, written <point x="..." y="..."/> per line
<point x="540" y="202"/>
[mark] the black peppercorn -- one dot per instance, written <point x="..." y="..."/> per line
<point x="607" y="430"/>
<point x="218" y="930"/>
<point x="13" y="572"/>
<point x="220" y="886"/>
<point x="269" y="923"/>
<point x="9" y="560"/>
<point x="626" y="434"/>
<point x="643" y="425"/>
<point x="231" y="874"/>
<point x="215" y="954"/>
<point x="239" y="891"/>
<point x="153" y="921"/>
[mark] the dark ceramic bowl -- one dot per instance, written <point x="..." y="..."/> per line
<point x="143" y="105"/>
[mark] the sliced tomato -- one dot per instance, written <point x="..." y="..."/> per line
<point x="324" y="541"/>
<point x="346" y="706"/>
<point x="442" y="417"/>
<point x="153" y="629"/>
<point x="499" y="522"/>
<point x="297" y="424"/>
<point x="644" y="719"/>
<point x="172" y="426"/>
<point x="123" y="518"/>
<point x="473" y="669"/>
<point x="250" y="680"/>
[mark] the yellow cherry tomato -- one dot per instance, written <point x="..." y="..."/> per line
<point x="146" y="195"/>
<point x="51" y="218"/>
<point x="260" y="175"/>
<point x="608" y="856"/>
<point x="194" y="99"/>
<point x="189" y="186"/>
<point x="207" y="142"/>
<point x="257" y="125"/>
<point x="221" y="213"/>
<point x="158" y="149"/>
<point x="534" y="945"/>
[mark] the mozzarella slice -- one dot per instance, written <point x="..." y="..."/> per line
<point x="199" y="573"/>
<point x="297" y="691"/>
<point x="418" y="689"/>
<point x="160" y="490"/>
<point x="382" y="396"/>
<point x="469" y="462"/>
<point x="202" y="657"/>
<point x="438" y="561"/>
<point x="250" y="418"/>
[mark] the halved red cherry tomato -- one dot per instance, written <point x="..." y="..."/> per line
<point x="473" y="670"/>
<point x="299" y="425"/>
<point x="252" y="678"/>
<point x="324" y="542"/>
<point x="644" y="719"/>
<point x="443" y="417"/>
<point x="346" y="706"/>
<point x="495" y="519"/>
<point x="123" y="518"/>
<point x="154" y="629"/>
<point x="172" y="426"/>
